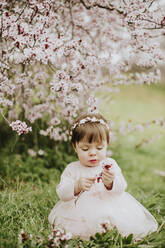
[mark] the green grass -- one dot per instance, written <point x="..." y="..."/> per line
<point x="28" y="192"/>
<point x="136" y="102"/>
<point x="25" y="207"/>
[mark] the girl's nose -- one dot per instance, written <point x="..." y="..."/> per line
<point x="92" y="152"/>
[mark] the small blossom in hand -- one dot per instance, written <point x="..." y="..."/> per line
<point x="108" y="176"/>
<point x="105" y="165"/>
<point x="99" y="177"/>
<point x="20" y="127"/>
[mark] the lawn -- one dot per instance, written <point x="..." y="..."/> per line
<point x="28" y="190"/>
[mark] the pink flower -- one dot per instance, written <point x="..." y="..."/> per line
<point x="31" y="152"/>
<point x="41" y="152"/>
<point x="73" y="54"/>
<point x="58" y="237"/>
<point x="20" y="127"/>
<point x="105" y="165"/>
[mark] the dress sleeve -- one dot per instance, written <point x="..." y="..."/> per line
<point x="65" y="189"/>
<point x="119" y="183"/>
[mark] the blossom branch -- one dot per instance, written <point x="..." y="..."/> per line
<point x="87" y="32"/>
<point x="21" y="12"/>
<point x="109" y="8"/>
<point x="71" y="16"/>
<point x="160" y="25"/>
<point x="66" y="46"/>
<point x="4" y="117"/>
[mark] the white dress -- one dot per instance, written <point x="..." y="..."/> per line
<point x="85" y="214"/>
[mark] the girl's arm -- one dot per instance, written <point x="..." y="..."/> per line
<point x="65" y="189"/>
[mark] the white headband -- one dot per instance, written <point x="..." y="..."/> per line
<point x="88" y="119"/>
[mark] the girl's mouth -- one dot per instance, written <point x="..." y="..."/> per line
<point x="93" y="161"/>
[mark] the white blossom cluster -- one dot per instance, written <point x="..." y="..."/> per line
<point x="56" y="54"/>
<point x="33" y="153"/>
<point x="105" y="226"/>
<point x="20" y="127"/>
<point x="58" y="236"/>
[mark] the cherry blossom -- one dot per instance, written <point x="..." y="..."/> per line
<point x="106" y="226"/>
<point x="32" y="153"/>
<point x="55" y="55"/>
<point x="105" y="164"/>
<point x="20" y="127"/>
<point x="58" y="237"/>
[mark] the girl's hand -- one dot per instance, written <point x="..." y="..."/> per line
<point x="107" y="178"/>
<point x="83" y="184"/>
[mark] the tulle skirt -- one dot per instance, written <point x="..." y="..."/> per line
<point x="92" y="211"/>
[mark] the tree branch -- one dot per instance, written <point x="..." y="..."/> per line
<point x="86" y="31"/>
<point x="109" y="8"/>
<point x="71" y="16"/>
<point x="158" y="24"/>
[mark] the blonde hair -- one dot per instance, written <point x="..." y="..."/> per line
<point x="84" y="128"/>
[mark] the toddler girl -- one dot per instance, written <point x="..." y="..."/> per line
<point x="92" y="190"/>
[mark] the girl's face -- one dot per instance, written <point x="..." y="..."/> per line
<point x="91" y="154"/>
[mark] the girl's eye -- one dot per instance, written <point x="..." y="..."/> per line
<point x="99" y="148"/>
<point x="85" y="149"/>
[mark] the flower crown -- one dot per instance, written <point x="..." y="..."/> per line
<point x="88" y="119"/>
